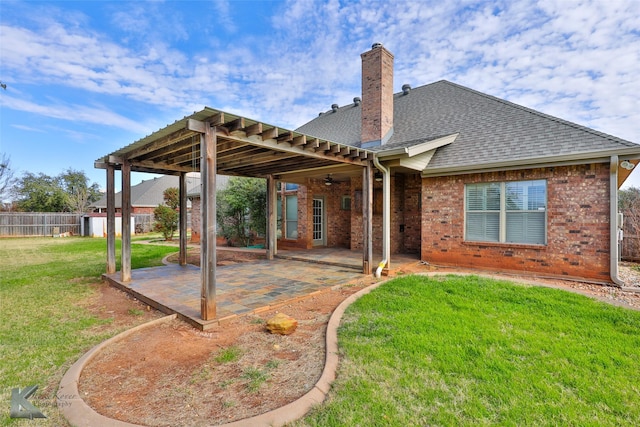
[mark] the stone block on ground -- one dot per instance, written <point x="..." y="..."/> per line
<point x="282" y="324"/>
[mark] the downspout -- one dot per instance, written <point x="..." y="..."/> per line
<point x="613" y="221"/>
<point x="386" y="217"/>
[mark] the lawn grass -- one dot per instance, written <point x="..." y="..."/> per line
<point x="472" y="351"/>
<point x="43" y="326"/>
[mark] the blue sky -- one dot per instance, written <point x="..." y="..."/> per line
<point x="85" y="78"/>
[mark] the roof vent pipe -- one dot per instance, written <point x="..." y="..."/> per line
<point x="357" y="101"/>
<point x="406" y="88"/>
<point x="334" y="107"/>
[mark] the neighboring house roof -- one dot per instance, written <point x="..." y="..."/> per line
<point x="149" y="193"/>
<point x="221" y="183"/>
<point x="491" y="132"/>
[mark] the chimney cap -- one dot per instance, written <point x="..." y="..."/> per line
<point x="376" y="45"/>
<point x="406" y="88"/>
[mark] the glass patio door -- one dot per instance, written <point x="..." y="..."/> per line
<point x="319" y="238"/>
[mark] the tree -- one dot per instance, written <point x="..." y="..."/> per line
<point x="6" y="177"/>
<point x="67" y="192"/>
<point x="79" y="194"/>
<point x="166" y="215"/>
<point x="39" y="193"/>
<point x="241" y="209"/>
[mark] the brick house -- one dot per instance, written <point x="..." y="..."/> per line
<point x="476" y="181"/>
<point x="452" y="175"/>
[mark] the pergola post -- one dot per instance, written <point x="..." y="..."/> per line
<point x="111" y="220"/>
<point x="125" y="268"/>
<point x="271" y="241"/>
<point x="183" y="218"/>
<point x="367" y="217"/>
<point x="208" y="220"/>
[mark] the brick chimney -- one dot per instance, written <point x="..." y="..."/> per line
<point x="377" y="96"/>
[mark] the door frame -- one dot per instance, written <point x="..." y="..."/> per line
<point x="323" y="221"/>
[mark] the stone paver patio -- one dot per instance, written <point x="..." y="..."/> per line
<point x="242" y="288"/>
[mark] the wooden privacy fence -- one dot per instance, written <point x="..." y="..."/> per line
<point x="630" y="248"/>
<point x="33" y="224"/>
<point x="23" y="224"/>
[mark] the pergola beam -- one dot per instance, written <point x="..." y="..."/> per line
<point x="280" y="146"/>
<point x="161" y="143"/>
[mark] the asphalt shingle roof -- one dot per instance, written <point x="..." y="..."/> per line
<point x="490" y="129"/>
<point x="149" y="193"/>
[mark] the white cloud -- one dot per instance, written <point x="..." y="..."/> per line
<point x="28" y="128"/>
<point x="574" y="59"/>
<point x="81" y="113"/>
<point x="225" y="17"/>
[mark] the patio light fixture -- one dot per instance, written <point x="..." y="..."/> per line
<point x="626" y="164"/>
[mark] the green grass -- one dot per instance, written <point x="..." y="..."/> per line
<point x="256" y="377"/>
<point x="43" y="325"/>
<point x="471" y="351"/>
<point x="227" y="355"/>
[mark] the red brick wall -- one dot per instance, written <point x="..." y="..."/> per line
<point x="145" y="210"/>
<point x="338" y="226"/>
<point x="412" y="189"/>
<point x="195" y="219"/>
<point x="405" y="214"/>
<point x="357" y="230"/>
<point x="577" y="224"/>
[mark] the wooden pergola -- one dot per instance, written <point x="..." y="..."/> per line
<point x="214" y="142"/>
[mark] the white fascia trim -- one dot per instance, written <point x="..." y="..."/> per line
<point x="414" y="150"/>
<point x="538" y="162"/>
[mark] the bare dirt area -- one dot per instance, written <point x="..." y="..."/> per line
<point x="172" y="374"/>
<point x="121" y="312"/>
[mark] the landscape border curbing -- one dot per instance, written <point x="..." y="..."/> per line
<point x="79" y="414"/>
<point x="71" y="404"/>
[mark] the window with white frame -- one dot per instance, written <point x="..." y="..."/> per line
<point x="506" y="212"/>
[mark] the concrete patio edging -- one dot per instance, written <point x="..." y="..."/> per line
<point x="79" y="414"/>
